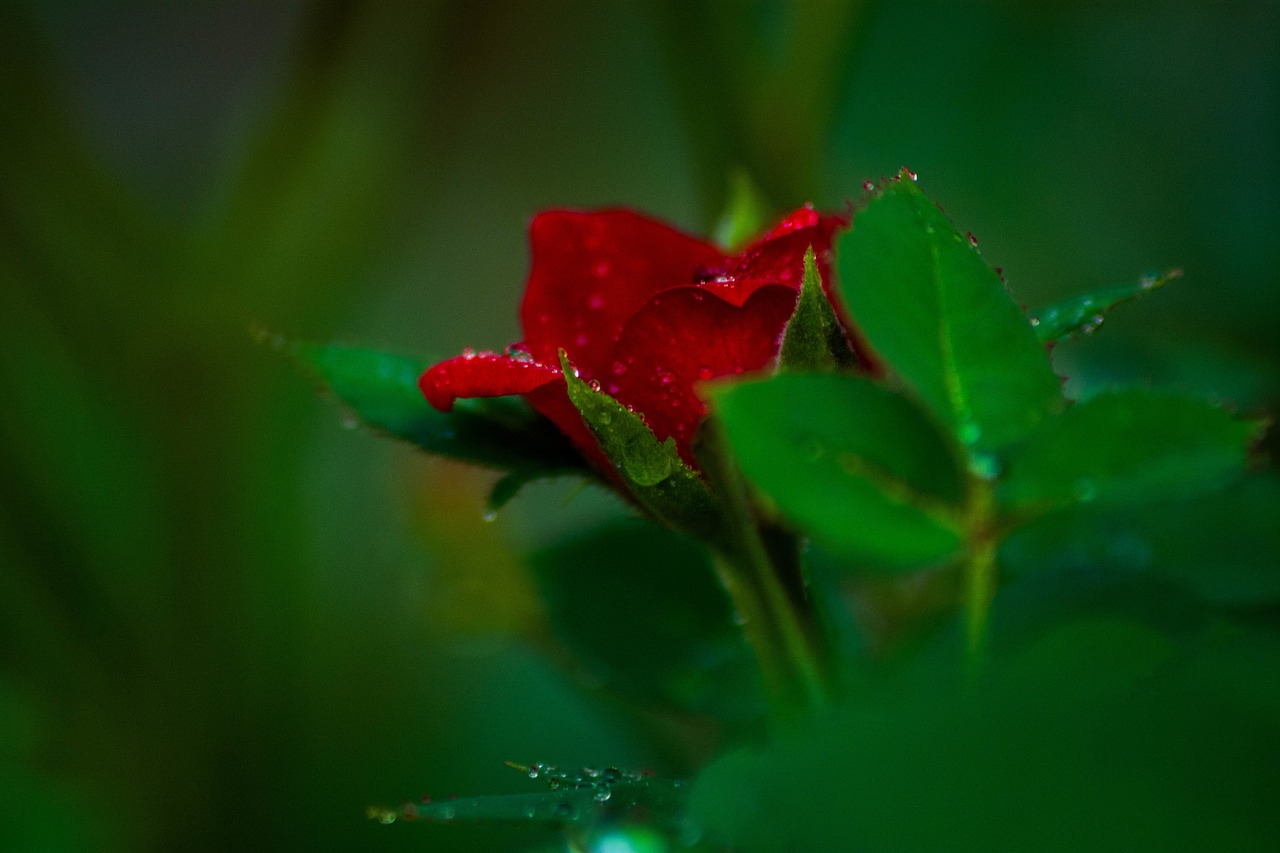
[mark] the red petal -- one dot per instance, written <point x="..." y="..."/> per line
<point x="688" y="335"/>
<point x="779" y="255"/>
<point x="805" y="217"/>
<point x="491" y="375"/>
<point x="483" y="375"/>
<point x="592" y="271"/>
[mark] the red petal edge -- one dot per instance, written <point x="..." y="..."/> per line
<point x="482" y="375"/>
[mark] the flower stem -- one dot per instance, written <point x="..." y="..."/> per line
<point x="778" y="625"/>
<point x="979" y="570"/>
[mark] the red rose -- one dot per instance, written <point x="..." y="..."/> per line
<point x="644" y="311"/>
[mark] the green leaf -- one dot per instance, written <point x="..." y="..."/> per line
<point x="813" y="339"/>
<point x="381" y="389"/>
<point x="860" y="467"/>
<point x="652" y="470"/>
<point x="1130" y="445"/>
<point x="746" y="215"/>
<point x="590" y="797"/>
<point x="1101" y="735"/>
<point x="1083" y="314"/>
<point x="641" y="609"/>
<point x="1224" y="547"/>
<point x="943" y="320"/>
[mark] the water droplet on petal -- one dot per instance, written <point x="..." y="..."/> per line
<point x="595" y="302"/>
<point x="618" y="368"/>
<point x="910" y="174"/>
<point x="580" y="339"/>
<point x="705" y="372"/>
<point x="468" y="352"/>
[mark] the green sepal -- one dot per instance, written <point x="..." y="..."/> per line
<point x="858" y="466"/>
<point x="381" y="391"/>
<point x="813" y="338"/>
<point x="943" y="321"/>
<point x="746" y="214"/>
<point x="1084" y="313"/>
<point x="652" y="470"/>
<point x="1132" y="446"/>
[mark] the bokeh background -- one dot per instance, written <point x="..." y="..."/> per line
<point x="228" y="621"/>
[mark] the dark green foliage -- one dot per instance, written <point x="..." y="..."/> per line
<point x="1100" y="734"/>
<point x="640" y="607"/>
<point x="1224" y="546"/>
<point x="1127" y="446"/>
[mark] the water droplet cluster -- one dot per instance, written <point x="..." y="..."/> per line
<point x="598" y="780"/>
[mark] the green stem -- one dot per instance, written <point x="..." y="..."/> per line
<point x="979" y="569"/>
<point x="778" y="625"/>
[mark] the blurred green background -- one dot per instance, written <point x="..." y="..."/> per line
<point x="228" y="622"/>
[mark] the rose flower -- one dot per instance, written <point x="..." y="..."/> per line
<point x="643" y="311"/>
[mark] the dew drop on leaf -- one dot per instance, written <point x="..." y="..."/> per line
<point x="602" y="795"/>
